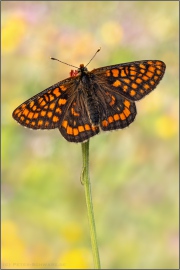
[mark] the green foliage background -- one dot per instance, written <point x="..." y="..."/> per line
<point x="134" y="172"/>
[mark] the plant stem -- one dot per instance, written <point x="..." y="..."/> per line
<point x="85" y="179"/>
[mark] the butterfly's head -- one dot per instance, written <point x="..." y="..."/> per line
<point x="82" y="69"/>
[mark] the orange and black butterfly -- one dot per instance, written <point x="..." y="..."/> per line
<point x="102" y="99"/>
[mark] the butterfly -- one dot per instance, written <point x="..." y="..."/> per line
<point x="89" y="101"/>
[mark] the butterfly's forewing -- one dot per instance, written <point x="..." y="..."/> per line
<point x="120" y="85"/>
<point x="133" y="80"/>
<point x="46" y="109"/>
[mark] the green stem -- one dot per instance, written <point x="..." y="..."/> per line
<point x="85" y="179"/>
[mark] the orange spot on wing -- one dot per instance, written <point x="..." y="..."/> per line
<point x="159" y="63"/>
<point x="122" y="116"/>
<point x="112" y="101"/>
<point x="43" y="113"/>
<point x="123" y="74"/>
<point x="80" y="128"/>
<point x="127" y="103"/>
<point x="46" y="97"/>
<point x="132" y="93"/>
<point x="127" y="70"/>
<point x="149" y="74"/>
<point x="64" y="124"/>
<point x="46" y="124"/>
<point x="142" y="71"/>
<point x="74" y="113"/>
<point x="69" y="130"/>
<point x="159" y="67"/>
<point x="127" y="81"/>
<point x="116" y="117"/>
<point x="36" y="115"/>
<point x="23" y="106"/>
<point x="62" y="101"/>
<point x="40" y="100"/>
<point x="146" y="86"/>
<point x="58" y="110"/>
<point x="151" y="68"/>
<point x="125" y="88"/>
<point x="43" y="103"/>
<point x="75" y="131"/>
<point x="63" y="88"/>
<point x="52" y="105"/>
<point x="152" y="82"/>
<point x="134" y="85"/>
<point x="117" y="83"/>
<point x="142" y="66"/>
<point x="145" y="78"/>
<point x="31" y="104"/>
<point x="126" y="112"/>
<point x="87" y="127"/>
<point x="104" y="123"/>
<point x="30" y="115"/>
<point x="138" y="80"/>
<point x="56" y="92"/>
<point x="17" y="111"/>
<point x="110" y="119"/>
<point x="55" y="118"/>
<point x="49" y="114"/>
<point x="108" y="73"/>
<point x="150" y="62"/>
<point x="94" y="128"/>
<point x="158" y="71"/>
<point x="40" y="122"/>
<point x="25" y="112"/>
<point x="115" y="72"/>
<point x="22" y="118"/>
<point x="51" y="97"/>
<point x="133" y="72"/>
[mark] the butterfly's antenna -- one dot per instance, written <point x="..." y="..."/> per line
<point x="62" y="62"/>
<point x="93" y="56"/>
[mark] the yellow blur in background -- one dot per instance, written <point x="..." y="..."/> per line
<point x="134" y="172"/>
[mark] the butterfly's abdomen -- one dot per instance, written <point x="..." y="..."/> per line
<point x="91" y="102"/>
<point x="93" y="110"/>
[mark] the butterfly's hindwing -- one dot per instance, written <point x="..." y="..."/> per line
<point x="116" y="112"/>
<point x="76" y="125"/>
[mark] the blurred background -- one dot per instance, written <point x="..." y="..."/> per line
<point x="134" y="172"/>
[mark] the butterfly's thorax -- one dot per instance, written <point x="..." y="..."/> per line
<point x="90" y="99"/>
